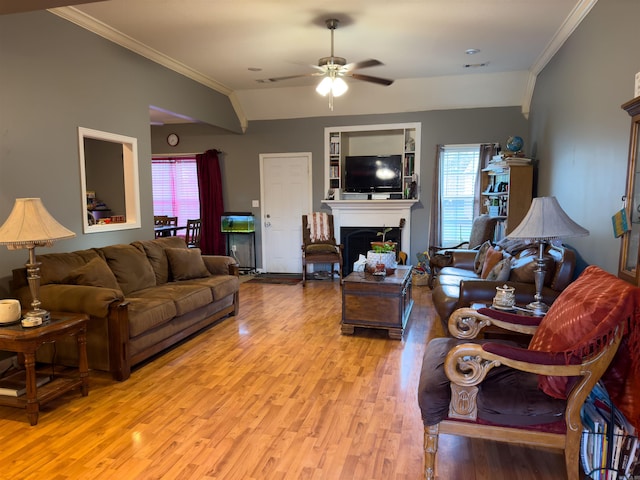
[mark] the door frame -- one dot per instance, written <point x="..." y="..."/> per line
<point x="262" y="157"/>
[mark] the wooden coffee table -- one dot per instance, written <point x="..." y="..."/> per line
<point x="377" y="303"/>
<point x="25" y="342"/>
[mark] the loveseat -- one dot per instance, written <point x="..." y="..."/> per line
<point x="141" y="297"/>
<point x="473" y="275"/>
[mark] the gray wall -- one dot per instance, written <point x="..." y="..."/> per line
<point x="580" y="133"/>
<point x="56" y="77"/>
<point x="240" y="165"/>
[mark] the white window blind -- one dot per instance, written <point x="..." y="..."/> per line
<point x="458" y="173"/>
<point x="175" y="188"/>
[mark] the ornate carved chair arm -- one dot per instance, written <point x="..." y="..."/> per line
<point x="467" y="323"/>
<point x="468" y="364"/>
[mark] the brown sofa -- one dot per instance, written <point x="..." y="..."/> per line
<point x="460" y="284"/>
<point x="141" y="298"/>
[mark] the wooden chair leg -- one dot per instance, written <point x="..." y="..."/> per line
<point x="430" y="450"/>
<point x="572" y="454"/>
<point x="304" y="273"/>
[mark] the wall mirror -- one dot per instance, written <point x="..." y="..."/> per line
<point x="109" y="176"/>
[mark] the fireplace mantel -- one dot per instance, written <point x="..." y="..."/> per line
<point x="367" y="213"/>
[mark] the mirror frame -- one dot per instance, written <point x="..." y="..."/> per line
<point x="131" y="186"/>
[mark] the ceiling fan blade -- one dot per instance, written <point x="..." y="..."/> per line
<point x="369" y="78"/>
<point x="363" y="64"/>
<point x="288" y="77"/>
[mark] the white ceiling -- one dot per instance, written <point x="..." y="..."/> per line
<point x="422" y="44"/>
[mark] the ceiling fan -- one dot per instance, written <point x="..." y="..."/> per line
<point x="333" y="68"/>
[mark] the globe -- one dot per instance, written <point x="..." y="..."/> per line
<point x="515" y="144"/>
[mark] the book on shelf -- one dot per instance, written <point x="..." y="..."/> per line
<point x="15" y="385"/>
<point x="609" y="449"/>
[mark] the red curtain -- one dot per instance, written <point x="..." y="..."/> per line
<point x="211" y="203"/>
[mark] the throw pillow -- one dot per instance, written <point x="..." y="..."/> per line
<point x="186" y="263"/>
<point x="479" y="261"/>
<point x="130" y="266"/>
<point x="95" y="273"/>
<point x="502" y="270"/>
<point x="491" y="259"/>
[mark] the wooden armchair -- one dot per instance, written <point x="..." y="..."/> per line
<point x="496" y="390"/>
<point x="318" y="247"/>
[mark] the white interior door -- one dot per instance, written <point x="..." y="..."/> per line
<point x="285" y="191"/>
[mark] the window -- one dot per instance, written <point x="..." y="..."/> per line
<point x="175" y="188"/>
<point x="458" y="177"/>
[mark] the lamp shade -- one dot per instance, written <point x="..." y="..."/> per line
<point x="546" y="220"/>
<point x="30" y="224"/>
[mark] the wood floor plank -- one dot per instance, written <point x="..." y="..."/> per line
<point x="274" y="393"/>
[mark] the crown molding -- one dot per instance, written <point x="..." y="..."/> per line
<point x="87" y="22"/>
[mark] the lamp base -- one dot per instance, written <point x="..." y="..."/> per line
<point x="40" y="313"/>
<point x="539" y="309"/>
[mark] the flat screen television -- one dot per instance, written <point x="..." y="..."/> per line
<point x="373" y="173"/>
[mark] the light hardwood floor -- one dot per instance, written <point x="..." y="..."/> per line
<point x="275" y="393"/>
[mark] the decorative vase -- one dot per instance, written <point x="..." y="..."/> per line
<point x="388" y="259"/>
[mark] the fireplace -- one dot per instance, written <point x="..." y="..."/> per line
<point x="373" y="216"/>
<point x="357" y="240"/>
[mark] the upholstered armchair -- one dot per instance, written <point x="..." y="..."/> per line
<point x="482" y="229"/>
<point x="501" y="391"/>
<point x="319" y="244"/>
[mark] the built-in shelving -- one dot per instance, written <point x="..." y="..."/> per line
<point x="506" y="193"/>
<point x="386" y="139"/>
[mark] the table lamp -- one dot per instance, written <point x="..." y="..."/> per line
<point x="30" y="225"/>
<point x="545" y="221"/>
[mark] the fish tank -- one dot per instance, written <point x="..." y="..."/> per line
<point x="238" y="222"/>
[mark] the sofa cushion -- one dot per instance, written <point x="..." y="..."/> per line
<point x="480" y="256"/>
<point x="512" y="397"/>
<point x="148" y="313"/>
<point x="186" y="297"/>
<point x="95" y="273"/>
<point x="454" y="275"/>
<point x="155" y="251"/>
<point x="320" y="248"/>
<point x="130" y="266"/>
<point x="55" y="267"/>
<point x="220" y="285"/>
<point x="186" y="263"/>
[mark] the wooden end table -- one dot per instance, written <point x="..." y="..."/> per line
<point x="25" y="342"/>
<point x="373" y="303"/>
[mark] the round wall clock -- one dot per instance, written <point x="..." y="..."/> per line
<point x="173" y="139"/>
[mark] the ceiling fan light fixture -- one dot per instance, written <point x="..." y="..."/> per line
<point x="324" y="87"/>
<point x="334" y="85"/>
<point x="339" y="87"/>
